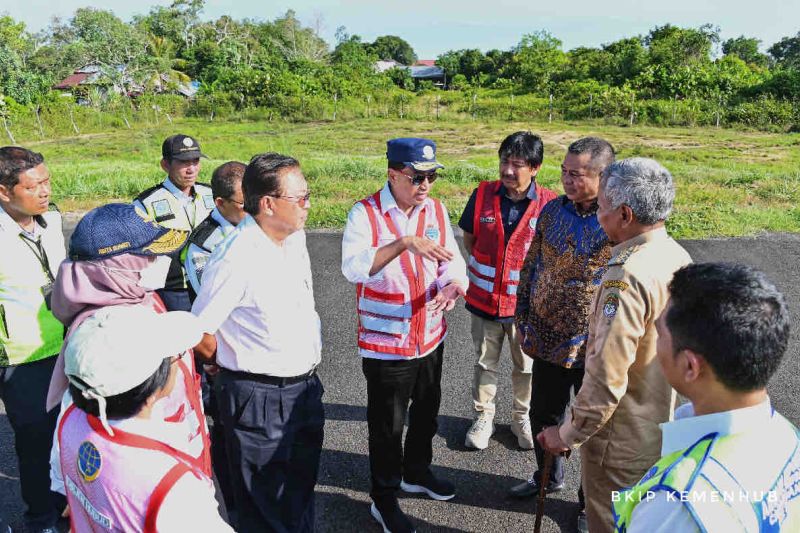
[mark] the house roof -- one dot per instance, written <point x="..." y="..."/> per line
<point x="73" y="80"/>
<point x="423" y="72"/>
<point x="425" y="63"/>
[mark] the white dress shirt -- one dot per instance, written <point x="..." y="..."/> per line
<point x="257" y="298"/>
<point x="358" y="254"/>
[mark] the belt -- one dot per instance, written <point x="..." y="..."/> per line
<point x="271" y="380"/>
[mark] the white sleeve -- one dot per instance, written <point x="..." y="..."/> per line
<point x="196" y="261"/>
<point x="358" y="254"/>
<point x="223" y="289"/>
<point x="662" y="515"/>
<point x="454" y="270"/>
<point x="190" y="506"/>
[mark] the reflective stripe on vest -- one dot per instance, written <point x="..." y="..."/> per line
<point x="392" y="315"/>
<point x="693" y="475"/>
<point x="491" y="257"/>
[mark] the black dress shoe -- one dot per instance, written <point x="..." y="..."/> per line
<point x="529" y="488"/>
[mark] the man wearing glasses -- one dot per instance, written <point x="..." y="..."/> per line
<point x="226" y="187"/>
<point x="399" y="250"/>
<point x="256" y="304"/>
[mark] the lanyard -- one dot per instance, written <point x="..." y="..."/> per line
<point x="38" y="250"/>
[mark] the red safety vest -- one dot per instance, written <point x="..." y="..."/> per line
<point x="392" y="315"/>
<point x="494" y="267"/>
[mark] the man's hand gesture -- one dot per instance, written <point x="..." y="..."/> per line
<point x="445" y="300"/>
<point x="427" y="248"/>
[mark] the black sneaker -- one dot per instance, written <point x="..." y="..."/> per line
<point x="529" y="488"/>
<point x="438" y="489"/>
<point x="391" y="517"/>
<point x="582" y="525"/>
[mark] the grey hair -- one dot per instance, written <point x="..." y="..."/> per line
<point x="600" y="152"/>
<point x="643" y="185"/>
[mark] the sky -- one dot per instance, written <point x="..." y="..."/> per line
<point x="435" y="26"/>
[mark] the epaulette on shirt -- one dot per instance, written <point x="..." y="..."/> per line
<point x="623" y="256"/>
<point x="202" y="232"/>
<point x="147" y="192"/>
<point x="53" y="207"/>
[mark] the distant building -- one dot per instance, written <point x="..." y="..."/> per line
<point x="431" y="73"/>
<point x="425" y="63"/>
<point x="385" y="64"/>
<point x="81" y="80"/>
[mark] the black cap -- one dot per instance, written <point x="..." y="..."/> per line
<point x="181" y="147"/>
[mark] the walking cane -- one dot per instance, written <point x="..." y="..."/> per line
<point x="543" y="481"/>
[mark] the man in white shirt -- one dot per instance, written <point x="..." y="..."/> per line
<point x="257" y="306"/>
<point x="398" y="247"/>
<point x="729" y="461"/>
<point x="32" y="247"/>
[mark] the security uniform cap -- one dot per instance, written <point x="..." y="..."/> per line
<point x="181" y="147"/>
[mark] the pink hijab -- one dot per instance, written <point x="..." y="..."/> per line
<point x="83" y="287"/>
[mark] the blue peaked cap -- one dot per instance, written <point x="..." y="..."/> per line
<point x="115" y="229"/>
<point x="419" y="154"/>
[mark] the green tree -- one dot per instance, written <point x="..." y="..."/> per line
<point x="538" y="59"/>
<point x="393" y="47"/>
<point x="671" y="46"/>
<point x="786" y="52"/>
<point x="746" y="49"/>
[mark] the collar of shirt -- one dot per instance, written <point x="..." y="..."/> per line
<point x="221" y="220"/>
<point x="9" y="224"/>
<point x="530" y="195"/>
<point x="687" y="429"/>
<point x="388" y="202"/>
<point x="648" y="236"/>
<point x="570" y="206"/>
<point x="177" y="193"/>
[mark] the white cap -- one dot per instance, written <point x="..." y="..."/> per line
<point x="120" y="347"/>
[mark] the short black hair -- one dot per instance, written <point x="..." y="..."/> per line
<point x="732" y="316"/>
<point x="126" y="404"/>
<point x="225" y="178"/>
<point x="261" y="178"/>
<point x="14" y="160"/>
<point x="524" y="145"/>
<point x="600" y="151"/>
<point x="395" y="165"/>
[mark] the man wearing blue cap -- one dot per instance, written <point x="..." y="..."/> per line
<point x="30" y="336"/>
<point x="398" y="248"/>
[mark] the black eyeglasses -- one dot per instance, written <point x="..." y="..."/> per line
<point x="418" y="177"/>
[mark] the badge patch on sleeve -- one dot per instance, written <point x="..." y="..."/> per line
<point x="610" y="306"/>
<point x="208" y="201"/>
<point x="161" y="208"/>
<point x="89" y="461"/>
<point x="615" y="284"/>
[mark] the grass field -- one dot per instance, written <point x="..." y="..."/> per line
<point x="729" y="182"/>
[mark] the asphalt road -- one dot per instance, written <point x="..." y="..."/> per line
<point x="481" y="477"/>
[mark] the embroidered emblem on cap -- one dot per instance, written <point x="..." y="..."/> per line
<point x="610" y="307"/>
<point x="432" y="233"/>
<point x="169" y="242"/>
<point x="427" y="152"/>
<point x="89" y="461"/>
<point x="188" y="142"/>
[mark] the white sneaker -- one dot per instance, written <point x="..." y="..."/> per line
<point x="480" y="432"/>
<point x="522" y="429"/>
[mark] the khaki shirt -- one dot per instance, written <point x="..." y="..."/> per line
<point x="624" y="396"/>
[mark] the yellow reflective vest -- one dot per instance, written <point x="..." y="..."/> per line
<point x="28" y="330"/>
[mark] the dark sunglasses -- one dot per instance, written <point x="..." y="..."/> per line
<point x="418" y="177"/>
